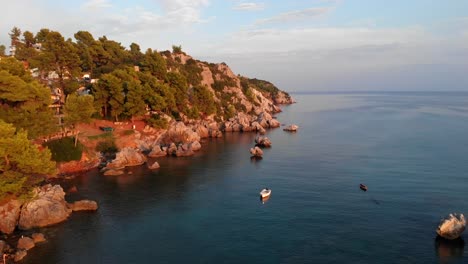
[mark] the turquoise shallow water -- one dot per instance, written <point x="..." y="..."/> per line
<point x="410" y="149"/>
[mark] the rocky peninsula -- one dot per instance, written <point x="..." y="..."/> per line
<point x="245" y="105"/>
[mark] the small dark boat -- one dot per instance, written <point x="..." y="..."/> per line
<point x="363" y="187"/>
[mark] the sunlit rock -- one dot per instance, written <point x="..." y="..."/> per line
<point x="452" y="226"/>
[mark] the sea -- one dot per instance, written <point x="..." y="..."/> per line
<point x="409" y="148"/>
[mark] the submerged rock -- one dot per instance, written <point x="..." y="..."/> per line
<point x="113" y="172"/>
<point x="291" y="128"/>
<point x="84" y="205"/>
<point x="154" y="166"/>
<point x="48" y="207"/>
<point x="9" y="215"/>
<point x="452" y="226"/>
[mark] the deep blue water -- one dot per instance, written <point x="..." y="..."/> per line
<point x="410" y="149"/>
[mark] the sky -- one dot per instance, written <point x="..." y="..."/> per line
<point x="299" y="45"/>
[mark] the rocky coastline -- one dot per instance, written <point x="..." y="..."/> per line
<point x="182" y="138"/>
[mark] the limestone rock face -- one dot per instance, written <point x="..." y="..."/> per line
<point x="127" y="157"/>
<point x="282" y="98"/>
<point x="9" y="215"/>
<point x="256" y="152"/>
<point x="184" y="150"/>
<point x="180" y="133"/>
<point x="154" y="166"/>
<point x="195" y="146"/>
<point x="202" y="131"/>
<point x="274" y="123"/>
<point x="38" y="237"/>
<point x="48" y="207"/>
<point x="262" y="141"/>
<point x="291" y="128"/>
<point x="452" y="226"/>
<point x="84" y="205"/>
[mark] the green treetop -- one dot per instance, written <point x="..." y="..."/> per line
<point x="22" y="163"/>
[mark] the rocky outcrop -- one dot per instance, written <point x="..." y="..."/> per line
<point x="125" y="158"/>
<point x="256" y="152"/>
<point x="9" y="215"/>
<point x="157" y="151"/>
<point x="282" y="98"/>
<point x="38" y="238"/>
<point x="291" y="128"/>
<point x="48" y="207"/>
<point x="179" y="133"/>
<point x="25" y="243"/>
<point x="83" y="205"/>
<point x="262" y="141"/>
<point x="452" y="226"/>
<point x="195" y="146"/>
<point x="154" y="166"/>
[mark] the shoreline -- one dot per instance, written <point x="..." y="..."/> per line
<point x="199" y="130"/>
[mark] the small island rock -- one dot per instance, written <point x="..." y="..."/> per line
<point x="256" y="152"/>
<point x="262" y="141"/>
<point x="291" y="128"/>
<point x="452" y="226"/>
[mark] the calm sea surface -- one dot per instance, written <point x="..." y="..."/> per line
<point x="410" y="149"/>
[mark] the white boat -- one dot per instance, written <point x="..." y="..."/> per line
<point x="265" y="193"/>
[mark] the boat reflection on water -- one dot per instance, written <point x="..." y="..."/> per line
<point x="447" y="250"/>
<point x="255" y="159"/>
<point x="264" y="199"/>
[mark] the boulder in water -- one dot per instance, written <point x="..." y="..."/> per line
<point x="256" y="152"/>
<point x="452" y="226"/>
<point x="263" y="141"/>
<point x="38" y="237"/>
<point x="48" y="207"/>
<point x="291" y="128"/>
<point x="154" y="166"/>
<point x="83" y="205"/>
<point x="25" y="243"/>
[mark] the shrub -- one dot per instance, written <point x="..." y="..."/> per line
<point x="64" y="149"/>
<point x="157" y="121"/>
<point x="107" y="146"/>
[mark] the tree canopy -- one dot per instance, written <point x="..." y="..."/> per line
<point x="22" y="163"/>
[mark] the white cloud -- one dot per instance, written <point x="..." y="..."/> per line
<point x="96" y="4"/>
<point x="249" y="6"/>
<point x="295" y="15"/>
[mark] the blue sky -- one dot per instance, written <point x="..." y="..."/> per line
<point x="315" y="45"/>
